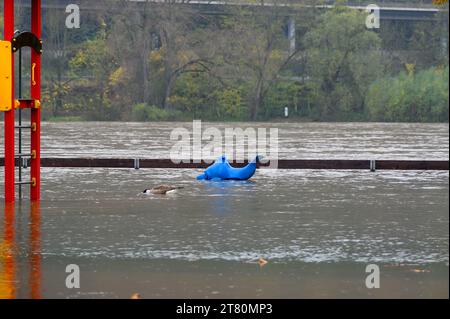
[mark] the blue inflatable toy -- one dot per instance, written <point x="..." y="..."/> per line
<point x="222" y="170"/>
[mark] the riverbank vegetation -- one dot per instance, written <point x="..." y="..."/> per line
<point x="146" y="62"/>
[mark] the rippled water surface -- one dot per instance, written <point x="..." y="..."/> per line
<point x="296" y="140"/>
<point x="294" y="218"/>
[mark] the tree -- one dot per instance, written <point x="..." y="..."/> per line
<point x="164" y="41"/>
<point x="343" y="60"/>
<point x="184" y="46"/>
<point x="130" y="40"/>
<point x="57" y="48"/>
<point x="97" y="69"/>
<point x="60" y="45"/>
<point x="168" y="60"/>
<point x="256" y="49"/>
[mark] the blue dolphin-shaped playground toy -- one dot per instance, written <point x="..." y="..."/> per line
<point x="222" y="170"/>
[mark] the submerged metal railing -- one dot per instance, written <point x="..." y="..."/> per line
<point x="331" y="164"/>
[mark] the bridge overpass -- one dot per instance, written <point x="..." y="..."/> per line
<point x="389" y="10"/>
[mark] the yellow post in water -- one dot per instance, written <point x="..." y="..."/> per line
<point x="5" y="76"/>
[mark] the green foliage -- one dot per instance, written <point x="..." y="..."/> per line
<point x="343" y="60"/>
<point x="173" y="63"/>
<point x="422" y="97"/>
<point x="259" y="52"/>
<point x="229" y="104"/>
<point x="283" y="94"/>
<point x="93" y="57"/>
<point x="142" y="113"/>
<point x="100" y="75"/>
<point x="190" y="94"/>
<point x="199" y="96"/>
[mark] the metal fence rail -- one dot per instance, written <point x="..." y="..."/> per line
<point x="281" y="164"/>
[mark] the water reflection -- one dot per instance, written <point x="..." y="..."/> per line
<point x="8" y="255"/>
<point x="35" y="251"/>
<point x="11" y="253"/>
<point x="223" y="194"/>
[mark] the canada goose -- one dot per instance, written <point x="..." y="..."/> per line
<point x="161" y="189"/>
<point x="262" y="262"/>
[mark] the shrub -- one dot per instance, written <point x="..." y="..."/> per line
<point x="143" y="112"/>
<point x="421" y="97"/>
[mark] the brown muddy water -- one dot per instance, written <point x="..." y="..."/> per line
<point x="317" y="229"/>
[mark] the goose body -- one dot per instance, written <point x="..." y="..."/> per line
<point x="161" y="189"/>
<point x="262" y="262"/>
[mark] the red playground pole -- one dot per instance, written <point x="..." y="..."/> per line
<point x="36" y="112"/>
<point x="8" y="6"/>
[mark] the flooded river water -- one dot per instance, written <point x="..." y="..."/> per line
<point x="317" y="229"/>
